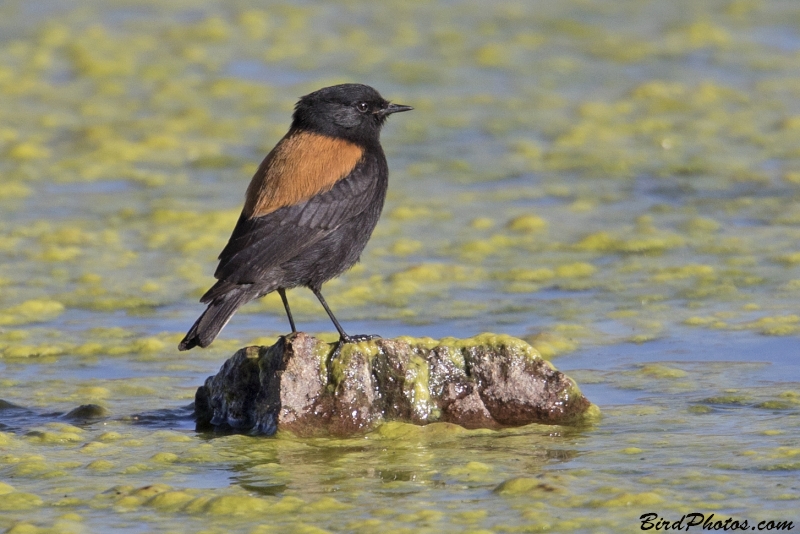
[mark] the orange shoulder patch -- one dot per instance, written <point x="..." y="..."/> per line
<point x="301" y="165"/>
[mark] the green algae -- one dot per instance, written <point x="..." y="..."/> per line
<point x="16" y="500"/>
<point x="31" y="311"/>
<point x="527" y="223"/>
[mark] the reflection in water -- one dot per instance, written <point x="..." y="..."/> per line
<point x="172" y="419"/>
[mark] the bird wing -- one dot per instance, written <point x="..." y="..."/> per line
<point x="300" y="166"/>
<point x="259" y="244"/>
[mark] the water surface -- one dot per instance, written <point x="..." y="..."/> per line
<point x="616" y="182"/>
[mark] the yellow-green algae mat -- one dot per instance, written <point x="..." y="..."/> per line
<point x="616" y="182"/>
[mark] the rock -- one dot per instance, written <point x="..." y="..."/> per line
<point x="87" y="412"/>
<point x="489" y="381"/>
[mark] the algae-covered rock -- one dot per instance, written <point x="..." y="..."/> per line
<point x="299" y="385"/>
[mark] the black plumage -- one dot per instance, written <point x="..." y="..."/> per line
<point x="310" y="209"/>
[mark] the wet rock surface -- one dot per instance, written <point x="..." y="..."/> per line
<point x="489" y="381"/>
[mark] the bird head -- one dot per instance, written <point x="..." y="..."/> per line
<point x="351" y="111"/>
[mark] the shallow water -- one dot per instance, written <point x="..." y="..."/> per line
<point x="616" y="182"/>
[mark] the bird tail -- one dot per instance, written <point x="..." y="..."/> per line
<point x="214" y="319"/>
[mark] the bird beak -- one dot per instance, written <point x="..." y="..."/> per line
<point x="393" y="108"/>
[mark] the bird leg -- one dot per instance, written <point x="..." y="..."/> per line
<point x="282" y="293"/>
<point x="343" y="337"/>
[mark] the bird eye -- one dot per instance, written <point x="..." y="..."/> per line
<point x="363" y="107"/>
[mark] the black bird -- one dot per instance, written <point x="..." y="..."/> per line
<point x="309" y="210"/>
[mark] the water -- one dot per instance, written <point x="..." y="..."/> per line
<point x="616" y="182"/>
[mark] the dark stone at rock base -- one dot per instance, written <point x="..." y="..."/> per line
<point x="489" y="381"/>
<point x="87" y="412"/>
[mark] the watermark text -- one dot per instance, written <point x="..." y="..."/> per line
<point x="652" y="521"/>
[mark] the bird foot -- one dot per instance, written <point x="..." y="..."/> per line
<point x="358" y="338"/>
